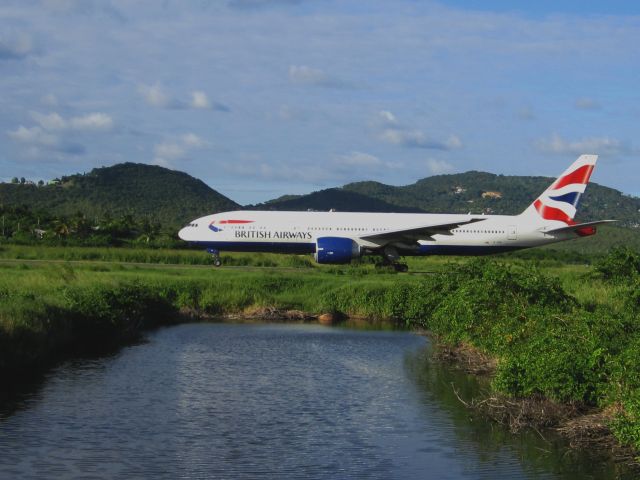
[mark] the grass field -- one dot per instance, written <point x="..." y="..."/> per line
<point x="568" y="332"/>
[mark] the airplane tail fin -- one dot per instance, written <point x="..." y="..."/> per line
<point x="560" y="200"/>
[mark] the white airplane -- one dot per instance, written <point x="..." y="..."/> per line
<point x="339" y="237"/>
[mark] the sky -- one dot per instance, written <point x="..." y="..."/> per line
<point x="261" y="98"/>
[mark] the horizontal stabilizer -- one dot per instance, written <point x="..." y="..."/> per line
<point x="419" y="233"/>
<point x="579" y="226"/>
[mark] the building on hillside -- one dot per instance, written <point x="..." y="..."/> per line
<point x="490" y="194"/>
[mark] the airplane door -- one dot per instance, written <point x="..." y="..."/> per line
<point x="512" y="232"/>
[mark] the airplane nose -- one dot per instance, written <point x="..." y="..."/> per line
<point x="183" y="234"/>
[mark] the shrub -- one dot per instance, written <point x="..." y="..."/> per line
<point x="101" y="313"/>
<point x="621" y="264"/>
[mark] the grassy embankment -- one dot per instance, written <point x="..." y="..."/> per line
<point x="566" y="334"/>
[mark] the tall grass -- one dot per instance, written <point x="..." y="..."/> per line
<point x="145" y="255"/>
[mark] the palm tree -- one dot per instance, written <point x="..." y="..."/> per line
<point x="61" y="227"/>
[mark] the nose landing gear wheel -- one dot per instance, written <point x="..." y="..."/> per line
<point x="216" y="257"/>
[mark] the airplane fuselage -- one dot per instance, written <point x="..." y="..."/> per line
<point x="298" y="232"/>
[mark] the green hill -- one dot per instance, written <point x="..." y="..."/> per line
<point x="337" y="198"/>
<point x="475" y="192"/>
<point x="139" y="190"/>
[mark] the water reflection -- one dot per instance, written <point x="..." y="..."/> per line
<point x="277" y="401"/>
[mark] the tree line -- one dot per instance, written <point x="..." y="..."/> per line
<point x="22" y="225"/>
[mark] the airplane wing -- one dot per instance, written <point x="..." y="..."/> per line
<point x="424" y="232"/>
<point x="579" y="226"/>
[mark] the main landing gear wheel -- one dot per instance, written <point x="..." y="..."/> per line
<point x="391" y="257"/>
<point x="216" y="257"/>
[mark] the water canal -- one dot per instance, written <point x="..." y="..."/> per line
<point x="267" y="401"/>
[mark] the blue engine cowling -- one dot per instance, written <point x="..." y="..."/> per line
<point x="336" y="250"/>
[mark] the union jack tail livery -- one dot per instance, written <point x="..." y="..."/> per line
<point x="560" y="201"/>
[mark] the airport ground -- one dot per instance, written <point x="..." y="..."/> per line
<point x="548" y="333"/>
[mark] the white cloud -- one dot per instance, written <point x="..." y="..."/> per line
<point x="50" y="135"/>
<point x="177" y="149"/>
<point x="595" y="145"/>
<point x="96" y="121"/>
<point x="50" y="100"/>
<point x="249" y="4"/>
<point x="387" y="117"/>
<point x="439" y="167"/>
<point x="162" y="162"/>
<point x="390" y="130"/>
<point x="418" y="139"/>
<point x="384" y="119"/>
<point x="526" y="113"/>
<point x="587" y="104"/>
<point x="360" y="159"/>
<point x="453" y="142"/>
<point x="39" y="143"/>
<point x="402" y="137"/>
<point x="93" y="121"/>
<point x="33" y="136"/>
<point x="200" y="100"/>
<point x="304" y="75"/>
<point x="170" y="151"/>
<point x="52" y="121"/>
<point x="155" y="95"/>
<point x="192" y="140"/>
<point x="255" y="168"/>
<point x="15" y="45"/>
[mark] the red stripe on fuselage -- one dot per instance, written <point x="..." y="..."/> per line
<point x="581" y="175"/>
<point x="223" y="222"/>
<point x="551" y="213"/>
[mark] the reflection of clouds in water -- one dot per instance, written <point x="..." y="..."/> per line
<point x="277" y="401"/>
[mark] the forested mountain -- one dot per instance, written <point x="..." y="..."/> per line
<point x="339" y="198"/>
<point x="475" y="192"/>
<point x="141" y="191"/>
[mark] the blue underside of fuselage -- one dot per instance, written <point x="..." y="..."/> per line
<point x="302" y="248"/>
<point x="270" y="247"/>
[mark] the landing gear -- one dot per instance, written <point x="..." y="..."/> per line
<point x="216" y="256"/>
<point x="391" y="258"/>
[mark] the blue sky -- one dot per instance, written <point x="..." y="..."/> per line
<point x="259" y="98"/>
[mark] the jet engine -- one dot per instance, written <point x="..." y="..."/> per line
<point x="336" y="250"/>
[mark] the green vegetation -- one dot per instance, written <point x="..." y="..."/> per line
<point x="569" y="333"/>
<point x="339" y="198"/>
<point x="21" y="226"/>
<point x="148" y="193"/>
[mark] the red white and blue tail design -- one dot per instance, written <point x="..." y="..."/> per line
<point x="560" y="200"/>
